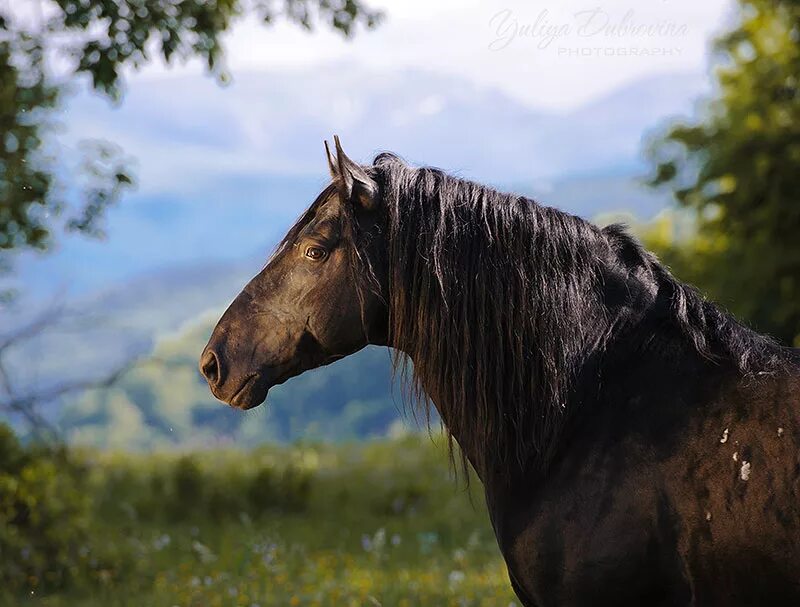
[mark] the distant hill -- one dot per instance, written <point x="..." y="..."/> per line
<point x="149" y="234"/>
<point x="594" y="194"/>
<point x="164" y="402"/>
<point x="191" y="135"/>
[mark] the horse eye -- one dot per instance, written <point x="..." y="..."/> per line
<point x="316" y="253"/>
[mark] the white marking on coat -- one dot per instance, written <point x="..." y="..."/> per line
<point x="780" y="431"/>
<point x="744" y="473"/>
<point x="736" y="456"/>
<point x="724" y="438"/>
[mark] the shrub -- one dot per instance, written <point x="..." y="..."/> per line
<point x="294" y="489"/>
<point x="43" y="515"/>
<point x="262" y="493"/>
<point x="189" y="485"/>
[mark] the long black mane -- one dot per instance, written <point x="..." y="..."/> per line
<point x="500" y="303"/>
<point x="508" y="308"/>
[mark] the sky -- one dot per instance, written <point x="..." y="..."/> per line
<point x="553" y="54"/>
<point x="510" y="93"/>
<point x="547" y="54"/>
<point x="506" y="92"/>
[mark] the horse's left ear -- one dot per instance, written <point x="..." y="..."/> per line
<point x="354" y="183"/>
<point x="332" y="165"/>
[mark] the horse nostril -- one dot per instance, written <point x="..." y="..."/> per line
<point x="209" y="366"/>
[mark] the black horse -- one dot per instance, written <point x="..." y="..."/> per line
<point x="637" y="445"/>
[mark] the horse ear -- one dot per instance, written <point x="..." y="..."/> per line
<point x="332" y="166"/>
<point x="354" y="182"/>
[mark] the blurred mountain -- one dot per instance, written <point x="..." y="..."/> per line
<point x="188" y="131"/>
<point x="164" y="402"/>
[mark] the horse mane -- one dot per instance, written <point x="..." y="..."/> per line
<point x="500" y="302"/>
<point x="502" y="310"/>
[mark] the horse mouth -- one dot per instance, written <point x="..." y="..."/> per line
<point x="255" y="387"/>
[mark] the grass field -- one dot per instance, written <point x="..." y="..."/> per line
<point x="381" y="523"/>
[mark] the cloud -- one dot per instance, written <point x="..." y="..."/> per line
<point x="454" y="39"/>
<point x="187" y="133"/>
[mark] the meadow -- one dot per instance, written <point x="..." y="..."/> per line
<point x="375" y="523"/>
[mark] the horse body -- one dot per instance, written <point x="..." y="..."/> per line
<point x="656" y="504"/>
<point x="636" y="444"/>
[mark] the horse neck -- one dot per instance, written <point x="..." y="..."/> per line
<point x="640" y="343"/>
<point x="615" y="317"/>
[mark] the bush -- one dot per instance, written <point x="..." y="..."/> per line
<point x="43" y="515"/>
<point x="294" y="490"/>
<point x="188" y="488"/>
<point x="288" y="491"/>
<point x="191" y="489"/>
<point x="263" y="489"/>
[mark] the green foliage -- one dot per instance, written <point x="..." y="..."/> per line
<point x="738" y="170"/>
<point x="376" y="522"/>
<point x="99" y="39"/>
<point x="31" y="196"/>
<point x="25" y="182"/>
<point x="119" y="33"/>
<point x="43" y="516"/>
<point x="173" y="489"/>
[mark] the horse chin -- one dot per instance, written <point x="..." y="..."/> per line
<point x="254" y="388"/>
<point x="252" y="393"/>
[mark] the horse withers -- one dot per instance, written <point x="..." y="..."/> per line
<point x="637" y="445"/>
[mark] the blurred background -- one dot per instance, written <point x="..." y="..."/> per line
<point x="152" y="152"/>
